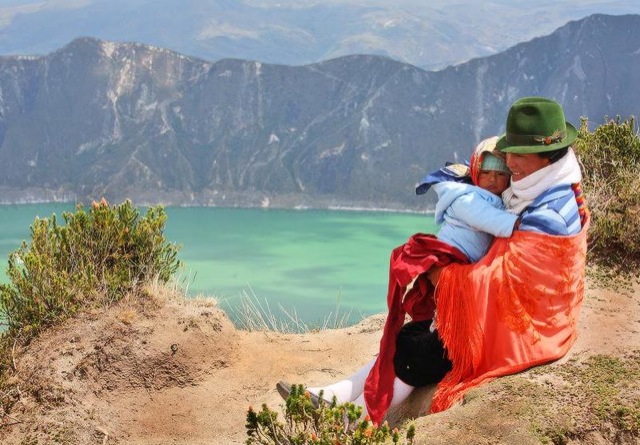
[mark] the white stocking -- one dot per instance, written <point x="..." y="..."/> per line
<point x="351" y="389"/>
<point x="346" y="390"/>
<point x="400" y="393"/>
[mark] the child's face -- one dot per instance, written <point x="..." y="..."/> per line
<point x="493" y="181"/>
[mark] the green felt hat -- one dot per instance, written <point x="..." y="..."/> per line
<point x="536" y="125"/>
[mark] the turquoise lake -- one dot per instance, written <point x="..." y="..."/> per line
<point x="311" y="263"/>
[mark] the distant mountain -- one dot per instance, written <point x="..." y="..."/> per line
<point x="428" y="34"/>
<point x="98" y="118"/>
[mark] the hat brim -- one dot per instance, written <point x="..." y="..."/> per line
<point x="505" y="147"/>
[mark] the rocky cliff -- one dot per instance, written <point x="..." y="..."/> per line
<point x="119" y="120"/>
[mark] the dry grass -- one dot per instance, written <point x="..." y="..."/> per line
<point x="255" y="314"/>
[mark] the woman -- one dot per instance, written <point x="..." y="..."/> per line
<point x="491" y="320"/>
<point x="504" y="324"/>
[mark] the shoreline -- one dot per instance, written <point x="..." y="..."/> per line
<point x="248" y="199"/>
<point x="332" y="208"/>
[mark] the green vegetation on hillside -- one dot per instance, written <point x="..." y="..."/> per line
<point x="322" y="424"/>
<point x="93" y="260"/>
<point x="610" y="158"/>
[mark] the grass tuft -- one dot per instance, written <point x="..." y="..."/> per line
<point x="255" y="314"/>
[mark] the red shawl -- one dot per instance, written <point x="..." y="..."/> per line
<point x="408" y="262"/>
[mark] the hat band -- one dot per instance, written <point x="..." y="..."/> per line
<point x="532" y="139"/>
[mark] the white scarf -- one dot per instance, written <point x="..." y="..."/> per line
<point x="520" y="194"/>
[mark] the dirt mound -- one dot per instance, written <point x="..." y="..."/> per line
<point x="165" y="370"/>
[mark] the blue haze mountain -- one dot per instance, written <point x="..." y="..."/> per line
<point x="428" y="34"/>
<point x="98" y="118"/>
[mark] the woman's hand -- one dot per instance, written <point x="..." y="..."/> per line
<point x="434" y="274"/>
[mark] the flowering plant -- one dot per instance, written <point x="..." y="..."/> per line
<point x="322" y="424"/>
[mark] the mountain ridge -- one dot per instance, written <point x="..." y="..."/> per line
<point x="120" y="120"/>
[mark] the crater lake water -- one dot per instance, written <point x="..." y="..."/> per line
<point x="312" y="263"/>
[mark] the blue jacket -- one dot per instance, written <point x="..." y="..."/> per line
<point x="470" y="217"/>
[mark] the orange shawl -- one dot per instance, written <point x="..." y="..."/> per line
<point x="515" y="308"/>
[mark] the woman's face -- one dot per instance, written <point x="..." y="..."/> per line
<point x="493" y="181"/>
<point x="522" y="165"/>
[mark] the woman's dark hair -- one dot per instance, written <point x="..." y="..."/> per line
<point x="554" y="155"/>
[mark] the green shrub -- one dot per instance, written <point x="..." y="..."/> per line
<point x="326" y="424"/>
<point x="95" y="258"/>
<point x="610" y="157"/>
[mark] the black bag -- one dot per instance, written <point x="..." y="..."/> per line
<point x="420" y="358"/>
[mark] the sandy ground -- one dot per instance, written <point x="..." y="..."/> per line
<point x="174" y="371"/>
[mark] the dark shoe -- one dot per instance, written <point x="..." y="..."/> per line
<point x="284" y="389"/>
